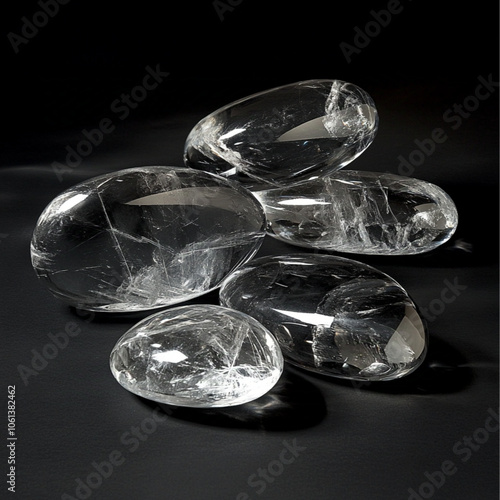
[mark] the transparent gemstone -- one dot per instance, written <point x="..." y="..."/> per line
<point x="331" y="315"/>
<point x="144" y="238"/>
<point x="286" y="134"/>
<point x="361" y="212"/>
<point x="198" y="356"/>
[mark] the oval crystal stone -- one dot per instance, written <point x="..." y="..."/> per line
<point x="331" y="315"/>
<point x="198" y="356"/>
<point x="285" y="134"/>
<point x="144" y="238"/>
<point x="361" y="212"/>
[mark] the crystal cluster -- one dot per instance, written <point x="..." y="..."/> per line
<point x="150" y="237"/>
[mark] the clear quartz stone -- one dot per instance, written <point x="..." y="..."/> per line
<point x="331" y="315"/>
<point x="361" y="212"/>
<point x="285" y="134"/>
<point x="197" y="356"/>
<point x="144" y="238"/>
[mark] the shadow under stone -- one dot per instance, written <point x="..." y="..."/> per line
<point x="444" y="370"/>
<point x="211" y="297"/>
<point x="293" y="403"/>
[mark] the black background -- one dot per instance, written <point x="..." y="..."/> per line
<point x="356" y="442"/>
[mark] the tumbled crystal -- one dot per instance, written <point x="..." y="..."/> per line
<point x="331" y="315"/>
<point x="198" y="356"/>
<point x="361" y="212"/>
<point x="285" y="134"/>
<point x="144" y="238"/>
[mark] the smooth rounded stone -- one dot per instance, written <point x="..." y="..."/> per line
<point x="144" y="238"/>
<point x="285" y="134"/>
<point x="361" y="212"/>
<point x="331" y="315"/>
<point x="198" y="356"/>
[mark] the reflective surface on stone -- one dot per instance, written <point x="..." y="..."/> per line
<point x="286" y="134"/>
<point x="197" y="356"/>
<point x="361" y="212"/>
<point x="331" y="315"/>
<point x="145" y="237"/>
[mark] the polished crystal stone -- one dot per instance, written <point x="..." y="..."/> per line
<point x="198" y="356"/>
<point x="361" y="212"/>
<point x="285" y="134"/>
<point x="144" y="238"/>
<point x="331" y="315"/>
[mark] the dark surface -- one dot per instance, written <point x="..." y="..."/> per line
<point x="352" y="441"/>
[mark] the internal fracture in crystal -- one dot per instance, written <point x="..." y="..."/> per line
<point x="197" y="356"/>
<point x="331" y="315"/>
<point x="285" y="134"/>
<point x="144" y="238"/>
<point x="361" y="212"/>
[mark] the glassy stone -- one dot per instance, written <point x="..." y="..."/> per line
<point x="331" y="315"/>
<point x="285" y="134"/>
<point x="144" y="238"/>
<point x="361" y="212"/>
<point x="198" y="356"/>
